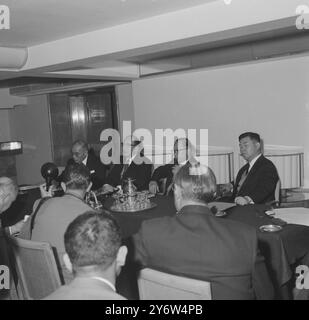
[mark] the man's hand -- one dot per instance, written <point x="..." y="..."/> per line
<point x="153" y="187"/>
<point x="241" y="201"/>
<point x="108" y="188"/>
<point x="44" y="192"/>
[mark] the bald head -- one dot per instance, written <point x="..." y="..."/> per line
<point x="183" y="150"/>
<point x="8" y="192"/>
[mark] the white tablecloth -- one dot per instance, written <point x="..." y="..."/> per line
<point x="293" y="215"/>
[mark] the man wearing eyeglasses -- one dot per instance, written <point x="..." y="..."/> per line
<point x="256" y="181"/>
<point x="134" y="165"/>
<point x="183" y="153"/>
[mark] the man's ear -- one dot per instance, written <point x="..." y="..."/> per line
<point x="63" y="186"/>
<point x="67" y="262"/>
<point x="89" y="187"/>
<point x="121" y="256"/>
<point x="177" y="191"/>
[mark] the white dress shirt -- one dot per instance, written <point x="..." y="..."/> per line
<point x="85" y="161"/>
<point x="253" y="161"/>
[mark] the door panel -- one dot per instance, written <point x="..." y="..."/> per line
<point x="60" y="128"/>
<point x="80" y="116"/>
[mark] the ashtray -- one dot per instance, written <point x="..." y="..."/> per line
<point x="220" y="213"/>
<point x="270" y="228"/>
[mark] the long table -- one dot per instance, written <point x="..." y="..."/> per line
<point x="282" y="250"/>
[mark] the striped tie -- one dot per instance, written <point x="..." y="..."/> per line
<point x="243" y="177"/>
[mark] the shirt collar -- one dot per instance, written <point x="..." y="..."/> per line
<point x="130" y="160"/>
<point x="85" y="161"/>
<point x="253" y="161"/>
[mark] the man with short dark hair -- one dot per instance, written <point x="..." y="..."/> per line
<point x="197" y="244"/>
<point x="80" y="154"/>
<point x="50" y="221"/>
<point x="256" y="181"/>
<point x="95" y="256"/>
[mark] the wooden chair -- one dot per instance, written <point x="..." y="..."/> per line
<point x="36" y="268"/>
<point x="157" y="285"/>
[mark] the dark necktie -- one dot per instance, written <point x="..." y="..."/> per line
<point x="243" y="177"/>
<point x="124" y="169"/>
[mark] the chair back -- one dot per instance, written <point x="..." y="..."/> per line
<point x="36" y="268"/>
<point x="157" y="285"/>
<point x="278" y="192"/>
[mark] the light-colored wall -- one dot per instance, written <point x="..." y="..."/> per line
<point x="5" y="134"/>
<point x="30" y="124"/>
<point x="269" y="97"/>
<point x="125" y="104"/>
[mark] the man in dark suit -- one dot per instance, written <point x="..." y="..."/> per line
<point x="133" y="165"/>
<point x="256" y="181"/>
<point x="97" y="169"/>
<point x="196" y="244"/>
<point x="183" y="152"/>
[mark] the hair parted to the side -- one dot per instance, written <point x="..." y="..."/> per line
<point x="197" y="182"/>
<point x="76" y="176"/>
<point x="81" y="143"/>
<point x="92" y="239"/>
<point x="252" y="135"/>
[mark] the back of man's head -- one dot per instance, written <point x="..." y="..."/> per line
<point x="92" y="240"/>
<point x="76" y="177"/>
<point x="196" y="183"/>
<point x="8" y="192"/>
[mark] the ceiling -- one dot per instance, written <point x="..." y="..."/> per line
<point x="38" y="21"/>
<point x="123" y="40"/>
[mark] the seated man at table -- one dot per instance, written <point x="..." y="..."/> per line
<point x="97" y="169"/>
<point x="95" y="256"/>
<point x="51" y="216"/>
<point x="183" y="152"/>
<point x="133" y="165"/>
<point x="256" y="181"/>
<point x="8" y="194"/>
<point x="197" y="244"/>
